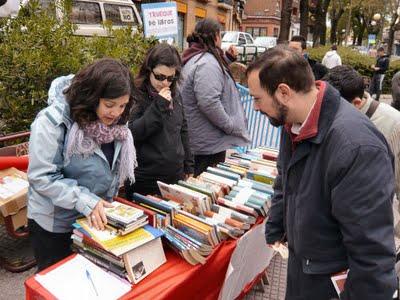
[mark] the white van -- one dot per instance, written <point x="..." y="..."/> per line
<point x="90" y="15"/>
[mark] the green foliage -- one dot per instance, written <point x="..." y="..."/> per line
<point x="36" y="47"/>
<point x="361" y="62"/>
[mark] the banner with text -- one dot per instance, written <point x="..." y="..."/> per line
<point x="161" y="20"/>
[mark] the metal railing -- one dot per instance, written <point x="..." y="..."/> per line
<point x="262" y="133"/>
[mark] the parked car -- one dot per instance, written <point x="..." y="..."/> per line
<point x="91" y="15"/>
<point x="244" y="44"/>
<point x="265" y="41"/>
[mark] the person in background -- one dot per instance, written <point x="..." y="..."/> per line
<point x="332" y="58"/>
<point x="299" y="44"/>
<point x="216" y="118"/>
<point x="380" y="68"/>
<point x="158" y="123"/>
<point x="333" y="194"/>
<point x="80" y="152"/>
<point x="350" y="85"/>
<point x="396" y="91"/>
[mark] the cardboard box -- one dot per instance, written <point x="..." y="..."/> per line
<point x="12" y="205"/>
<point x="18" y="220"/>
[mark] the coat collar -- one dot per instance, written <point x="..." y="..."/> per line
<point x="321" y="116"/>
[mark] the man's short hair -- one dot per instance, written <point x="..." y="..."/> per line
<point x="334" y="47"/>
<point x="347" y="81"/>
<point x="283" y="65"/>
<point x="301" y="39"/>
<point x="381" y="49"/>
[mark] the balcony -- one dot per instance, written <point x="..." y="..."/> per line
<point x="225" y="4"/>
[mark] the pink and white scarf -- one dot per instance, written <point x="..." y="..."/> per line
<point x="84" y="141"/>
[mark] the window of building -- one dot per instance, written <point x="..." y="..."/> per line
<point x="256" y="31"/>
<point x="294" y="11"/>
<point x="263" y="32"/>
<point x="276" y="32"/>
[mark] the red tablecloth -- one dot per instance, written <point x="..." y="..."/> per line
<point x="175" y="280"/>
<point x="19" y="162"/>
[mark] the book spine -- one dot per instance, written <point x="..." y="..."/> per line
<point x="142" y="199"/>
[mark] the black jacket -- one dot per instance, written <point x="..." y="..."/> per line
<point x="333" y="201"/>
<point x="161" y="139"/>
<point x="319" y="70"/>
<point x="382" y="63"/>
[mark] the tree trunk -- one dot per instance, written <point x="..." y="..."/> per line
<point x="392" y="30"/>
<point x="324" y="12"/>
<point x="318" y="24"/>
<point x="304" y="18"/>
<point x="336" y="15"/>
<point x="360" y="34"/>
<point x="286" y="14"/>
<point x="333" y="38"/>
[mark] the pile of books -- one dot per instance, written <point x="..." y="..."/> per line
<point x="225" y="201"/>
<point x="128" y="247"/>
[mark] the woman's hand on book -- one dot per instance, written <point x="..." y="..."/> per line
<point x="188" y="175"/>
<point x="97" y="218"/>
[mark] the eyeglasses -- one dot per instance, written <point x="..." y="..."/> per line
<point x="162" y="77"/>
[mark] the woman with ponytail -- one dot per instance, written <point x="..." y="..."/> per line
<point x="216" y="119"/>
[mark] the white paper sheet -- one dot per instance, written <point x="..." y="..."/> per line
<point x="250" y="257"/>
<point x="69" y="281"/>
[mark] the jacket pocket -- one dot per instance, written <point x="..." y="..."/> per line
<point x="323" y="267"/>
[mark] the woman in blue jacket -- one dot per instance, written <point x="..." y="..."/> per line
<point x="80" y="152"/>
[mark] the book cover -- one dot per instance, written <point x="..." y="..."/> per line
<point x="150" y="214"/>
<point x="123" y="213"/>
<point x="143" y="260"/>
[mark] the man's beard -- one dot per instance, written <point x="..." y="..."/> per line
<point x="282" y="113"/>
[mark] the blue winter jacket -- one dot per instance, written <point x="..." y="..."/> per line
<point x="60" y="191"/>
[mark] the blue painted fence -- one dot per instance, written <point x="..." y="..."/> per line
<point x="262" y="133"/>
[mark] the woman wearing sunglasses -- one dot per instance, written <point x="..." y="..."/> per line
<point x="158" y="123"/>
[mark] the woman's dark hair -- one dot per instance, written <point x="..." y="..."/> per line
<point x="205" y="34"/>
<point x="161" y="54"/>
<point x="105" y="78"/>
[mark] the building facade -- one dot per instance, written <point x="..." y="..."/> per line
<point x="227" y="12"/>
<point x="263" y="17"/>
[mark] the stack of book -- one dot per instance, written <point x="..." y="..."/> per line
<point x="127" y="247"/>
<point x="224" y="201"/>
<point x="125" y="218"/>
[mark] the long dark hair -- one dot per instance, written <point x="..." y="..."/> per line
<point x="105" y="78"/>
<point x="160" y="54"/>
<point x="205" y="34"/>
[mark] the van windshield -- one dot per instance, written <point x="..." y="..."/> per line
<point x="120" y="14"/>
<point x="230" y="37"/>
<point x="85" y="13"/>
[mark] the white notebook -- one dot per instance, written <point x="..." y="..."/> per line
<point x="69" y="281"/>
